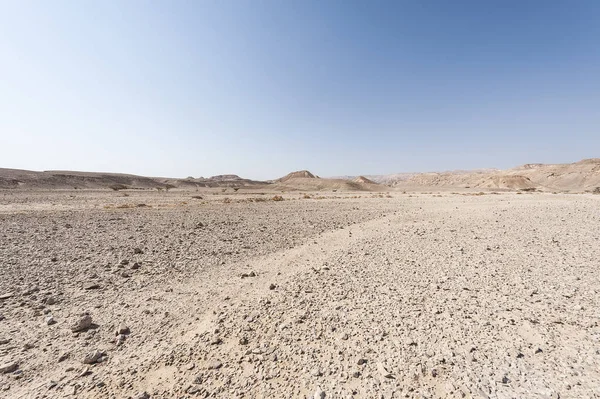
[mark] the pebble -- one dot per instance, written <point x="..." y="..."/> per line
<point x="215" y="365"/>
<point x="6" y="295"/>
<point x="82" y="324"/>
<point x="142" y="395"/>
<point x="8" y="367"/>
<point x="50" y="320"/>
<point x="319" y="394"/>
<point x="92" y="357"/>
<point x="122" y="330"/>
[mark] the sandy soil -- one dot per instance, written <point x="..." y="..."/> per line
<point x="346" y="295"/>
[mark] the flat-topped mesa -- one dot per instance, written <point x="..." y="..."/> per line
<point x="225" y="178"/>
<point x="301" y="174"/>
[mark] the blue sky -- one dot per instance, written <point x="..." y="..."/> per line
<point x="261" y="88"/>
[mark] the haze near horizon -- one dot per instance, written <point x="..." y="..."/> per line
<point x="261" y="89"/>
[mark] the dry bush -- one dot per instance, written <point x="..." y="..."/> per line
<point x="277" y="198"/>
<point x="306" y="196"/>
<point x="596" y="190"/>
<point x="199" y="197"/>
<point x="226" y="200"/>
<point x="117" y="187"/>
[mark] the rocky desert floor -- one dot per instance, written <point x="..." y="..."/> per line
<point x="347" y="295"/>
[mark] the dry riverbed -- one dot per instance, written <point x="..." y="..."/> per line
<point x="347" y="295"/>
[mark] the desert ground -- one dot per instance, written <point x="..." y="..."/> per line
<point x="184" y="294"/>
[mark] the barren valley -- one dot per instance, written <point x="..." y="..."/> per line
<point x="184" y="294"/>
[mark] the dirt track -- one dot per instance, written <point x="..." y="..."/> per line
<point x="411" y="296"/>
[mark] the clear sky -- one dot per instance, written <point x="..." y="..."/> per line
<point x="261" y="88"/>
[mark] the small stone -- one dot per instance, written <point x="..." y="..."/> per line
<point x="243" y="341"/>
<point x="252" y="274"/>
<point x="85" y="371"/>
<point x="92" y="357"/>
<point x="124" y="262"/>
<point x="6" y="295"/>
<point x="193" y="390"/>
<point x="138" y="251"/>
<point x="142" y="395"/>
<point x="198" y="379"/>
<point x="319" y="394"/>
<point x="190" y="366"/>
<point x="356" y="374"/>
<point x="50" y="320"/>
<point x="216" y="341"/>
<point x="505" y="380"/>
<point x="8" y="367"/>
<point x="361" y="361"/>
<point x="54" y="259"/>
<point x="272" y="286"/>
<point x="316" y="372"/>
<point x="122" y="330"/>
<point x="215" y="365"/>
<point x="63" y="356"/>
<point x="135" y="266"/>
<point x="51" y="300"/>
<point x="82" y="324"/>
<point x="120" y="340"/>
<point x="125" y="275"/>
<point x="92" y="286"/>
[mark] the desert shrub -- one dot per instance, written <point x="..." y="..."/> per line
<point x="199" y="197"/>
<point x="306" y="196"/>
<point x="226" y="200"/>
<point x="236" y="189"/>
<point x="277" y="198"/>
<point x="117" y="187"/>
<point x="596" y="190"/>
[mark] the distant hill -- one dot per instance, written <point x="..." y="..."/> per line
<point x="301" y="174"/>
<point x="578" y="176"/>
<point x="26" y="179"/>
<point x="305" y="181"/>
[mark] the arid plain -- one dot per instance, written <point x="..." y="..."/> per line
<point x="257" y="293"/>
